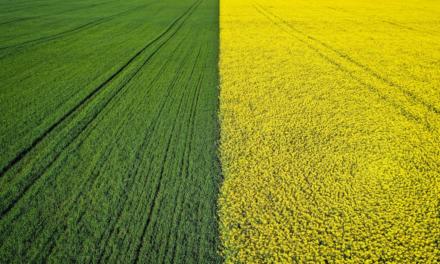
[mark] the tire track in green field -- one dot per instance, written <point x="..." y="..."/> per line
<point x="52" y="241"/>
<point x="4" y="209"/>
<point x="398" y="106"/>
<point x="153" y="202"/>
<point x="95" y="91"/>
<point x="20" y="19"/>
<point x="90" y="182"/>
<point x="160" y="179"/>
<point x="51" y="5"/>
<point x="184" y="167"/>
<point x="139" y="157"/>
<point x="147" y="141"/>
<point x="56" y="13"/>
<point x="160" y="111"/>
<point x="24" y="8"/>
<point x="125" y="175"/>
<point x="69" y="32"/>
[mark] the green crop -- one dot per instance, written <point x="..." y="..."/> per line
<point x="108" y="131"/>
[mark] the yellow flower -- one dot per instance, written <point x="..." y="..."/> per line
<point x="330" y="138"/>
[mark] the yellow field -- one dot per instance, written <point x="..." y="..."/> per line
<point x="330" y="118"/>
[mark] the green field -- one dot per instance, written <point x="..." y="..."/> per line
<point x="108" y="131"/>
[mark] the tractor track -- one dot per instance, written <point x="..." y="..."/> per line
<point x="96" y="173"/>
<point x="36" y="176"/>
<point x="184" y="167"/>
<point x="348" y="58"/>
<point x="66" y="33"/>
<point x="54" y="14"/>
<point x="89" y="97"/>
<point x="139" y="157"/>
<point x="115" y="174"/>
<point x="377" y="91"/>
<point x="187" y="87"/>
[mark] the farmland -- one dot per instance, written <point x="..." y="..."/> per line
<point x="108" y="131"/>
<point x="330" y="118"/>
<point x="207" y="131"/>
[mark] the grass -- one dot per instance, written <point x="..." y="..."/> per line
<point x="330" y="131"/>
<point x="109" y="130"/>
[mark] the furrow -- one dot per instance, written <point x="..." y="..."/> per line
<point x="404" y="112"/>
<point x="16" y="20"/>
<point x="186" y="165"/>
<point x="158" y="186"/>
<point x="408" y="28"/>
<point x="352" y="61"/>
<point x="142" y="148"/>
<point x="36" y="177"/>
<point x="69" y="32"/>
<point x="147" y="141"/>
<point x="98" y="168"/>
<point x="91" y="95"/>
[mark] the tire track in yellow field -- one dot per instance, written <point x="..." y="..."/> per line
<point x="326" y="156"/>
<point x="407" y="103"/>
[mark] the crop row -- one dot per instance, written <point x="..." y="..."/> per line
<point x="110" y="130"/>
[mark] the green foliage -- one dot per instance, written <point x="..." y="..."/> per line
<point x="108" y="131"/>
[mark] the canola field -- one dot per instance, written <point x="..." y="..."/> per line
<point x="330" y="118"/>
